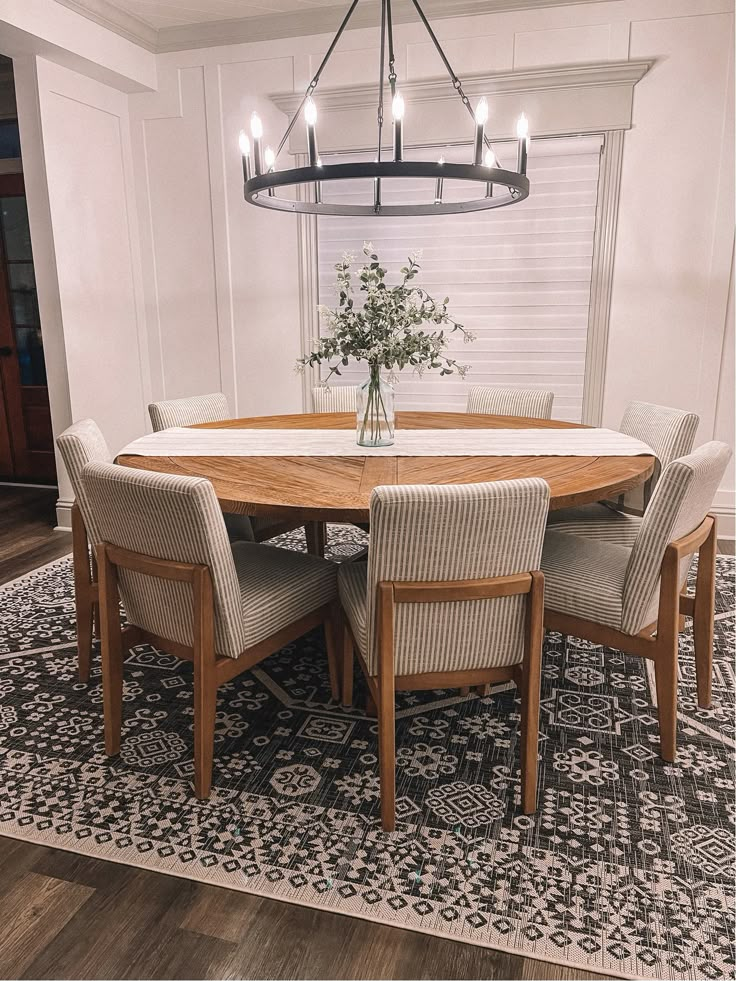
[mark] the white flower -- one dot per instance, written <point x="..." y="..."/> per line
<point x="368" y="248"/>
<point x="417" y="255"/>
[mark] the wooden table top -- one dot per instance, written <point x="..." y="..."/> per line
<point x="339" y="488"/>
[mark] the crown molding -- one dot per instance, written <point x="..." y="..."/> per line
<point x="613" y="73"/>
<point x="116" y="20"/>
<point x="562" y="100"/>
<point x="269" y="27"/>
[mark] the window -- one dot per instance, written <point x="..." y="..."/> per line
<point x="519" y="278"/>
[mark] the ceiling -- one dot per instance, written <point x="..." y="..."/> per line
<point x="178" y="13"/>
<point x="170" y="25"/>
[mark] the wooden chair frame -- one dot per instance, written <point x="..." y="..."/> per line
<point x="86" y="594"/>
<point x="526" y="675"/>
<point x="659" y="640"/>
<point x="86" y="586"/>
<point x="210" y="669"/>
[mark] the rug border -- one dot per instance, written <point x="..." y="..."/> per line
<point x="17" y="835"/>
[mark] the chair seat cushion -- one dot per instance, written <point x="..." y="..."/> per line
<point x="352" y="584"/>
<point x="596" y="521"/>
<point x="584" y="577"/>
<point x="278" y="586"/>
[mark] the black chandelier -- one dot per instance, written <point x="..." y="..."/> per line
<point x="499" y="187"/>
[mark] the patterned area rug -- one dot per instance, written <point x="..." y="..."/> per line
<point x="626" y="868"/>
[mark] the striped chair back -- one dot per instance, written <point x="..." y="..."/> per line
<point x="336" y="398"/>
<point x="531" y="403"/>
<point x="679" y="504"/>
<point x="189" y="412"/>
<point x="669" y="432"/>
<point x="448" y="533"/>
<point x="173" y="518"/>
<point x="80" y="444"/>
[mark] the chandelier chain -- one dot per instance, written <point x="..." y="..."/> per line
<point x="315" y="80"/>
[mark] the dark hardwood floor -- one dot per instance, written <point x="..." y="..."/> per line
<point x="69" y="916"/>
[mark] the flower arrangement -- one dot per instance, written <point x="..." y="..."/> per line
<point x="393" y="328"/>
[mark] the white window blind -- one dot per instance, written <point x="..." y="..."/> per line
<point x="517" y="277"/>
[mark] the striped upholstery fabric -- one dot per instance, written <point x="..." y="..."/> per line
<point x="584" y="578"/>
<point x="533" y="403"/>
<point x="336" y="398"/>
<point x="680" y="502"/>
<point x="616" y="585"/>
<point x="278" y="586"/>
<point x="189" y="412"/>
<point x="80" y="444"/>
<point x="178" y="518"/>
<point x="671" y="434"/>
<point x="446" y="533"/>
<point x="598" y="521"/>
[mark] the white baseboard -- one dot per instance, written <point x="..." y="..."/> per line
<point x="63" y="515"/>
<point x="724" y="508"/>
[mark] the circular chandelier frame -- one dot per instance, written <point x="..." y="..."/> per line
<point x="514" y="187"/>
<point x="500" y="187"/>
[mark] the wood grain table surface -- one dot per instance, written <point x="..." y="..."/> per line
<point x="339" y="488"/>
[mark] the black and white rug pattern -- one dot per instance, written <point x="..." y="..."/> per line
<point x="626" y="867"/>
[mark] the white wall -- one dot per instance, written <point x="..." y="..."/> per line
<point x="86" y="247"/>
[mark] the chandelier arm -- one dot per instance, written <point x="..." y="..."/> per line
<point x="381" y="66"/>
<point x="391" y="55"/>
<point x="315" y="80"/>
<point x="456" y="83"/>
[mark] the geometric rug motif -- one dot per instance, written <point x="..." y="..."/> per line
<point x="625" y="868"/>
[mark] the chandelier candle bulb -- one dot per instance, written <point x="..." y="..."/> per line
<point x="490" y="164"/>
<point x="244" y="144"/>
<point x="439" y="185"/>
<point x="397" y="111"/>
<point x="310" y="118"/>
<point x="256" y="131"/>
<point x="481" y="117"/>
<point x="522" y="132"/>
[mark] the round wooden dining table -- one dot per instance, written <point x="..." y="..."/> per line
<point x="321" y="489"/>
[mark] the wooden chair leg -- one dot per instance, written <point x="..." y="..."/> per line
<point x="112" y="653"/>
<point x="666" y="653"/>
<point x="703" y="617"/>
<point x="333" y="629"/>
<point x="386" y="708"/>
<point x="348" y="659"/>
<point x="316" y="537"/>
<point x="531" y="676"/>
<point x="205" y="684"/>
<point x="82" y="595"/>
<point x="665" y="674"/>
<point x="465" y="690"/>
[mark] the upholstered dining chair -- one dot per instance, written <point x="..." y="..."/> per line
<point x="671" y="434"/>
<point x="80" y="444"/>
<point x="214" y="407"/>
<point x="629" y="598"/>
<point x="335" y="398"/>
<point x="530" y="402"/>
<point x="163" y="549"/>
<point x="451" y="595"/>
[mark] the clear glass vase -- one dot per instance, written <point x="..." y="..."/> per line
<point x="375" y="421"/>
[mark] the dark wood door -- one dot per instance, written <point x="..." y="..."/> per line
<point x="26" y="437"/>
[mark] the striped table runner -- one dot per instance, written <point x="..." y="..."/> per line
<point x="409" y="442"/>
